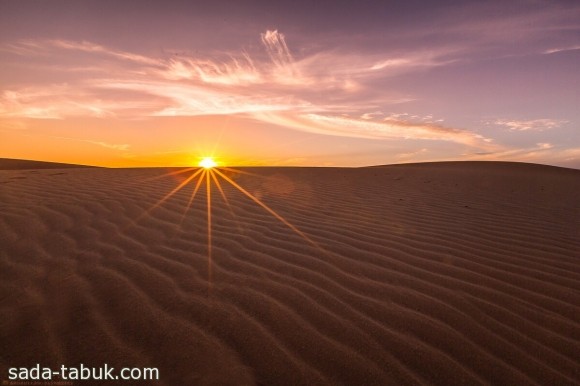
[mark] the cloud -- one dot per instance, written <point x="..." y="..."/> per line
<point x="364" y="128"/>
<point x="310" y="93"/>
<point x="189" y="85"/>
<point x="188" y="100"/>
<point x="389" y="63"/>
<point x="61" y="101"/>
<point x="545" y="153"/>
<point x="278" y="50"/>
<point x="96" y="48"/>
<point x="368" y="116"/>
<point x="24" y="103"/>
<point x="413" y="117"/>
<point x="562" y="49"/>
<point x="413" y="154"/>
<point x="237" y="72"/>
<point x="534" y="124"/>
<point x="545" y="145"/>
<point x="120" y="147"/>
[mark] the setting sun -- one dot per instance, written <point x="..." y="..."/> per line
<point x="207" y="163"/>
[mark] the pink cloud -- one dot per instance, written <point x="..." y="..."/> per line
<point x="533" y="124"/>
<point x="281" y="90"/>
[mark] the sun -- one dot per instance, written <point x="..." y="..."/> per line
<point x="207" y="163"/>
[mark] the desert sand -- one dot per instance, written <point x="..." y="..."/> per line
<point x="436" y="273"/>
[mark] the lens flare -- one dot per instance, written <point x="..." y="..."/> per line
<point x="207" y="173"/>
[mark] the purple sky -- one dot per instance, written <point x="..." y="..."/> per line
<point x="346" y="83"/>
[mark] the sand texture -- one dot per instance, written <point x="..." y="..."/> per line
<point x="442" y="273"/>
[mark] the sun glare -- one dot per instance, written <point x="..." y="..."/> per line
<point x="207" y="163"/>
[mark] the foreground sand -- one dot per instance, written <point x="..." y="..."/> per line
<point x="451" y="273"/>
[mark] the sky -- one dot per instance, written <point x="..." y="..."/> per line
<point x="289" y="83"/>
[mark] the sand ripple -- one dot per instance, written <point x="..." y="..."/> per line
<point x="452" y="273"/>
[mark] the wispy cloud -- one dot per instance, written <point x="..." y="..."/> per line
<point x="562" y="49"/>
<point x="413" y="154"/>
<point x="389" y="63"/>
<point x="534" y="124"/>
<point x="96" y="48"/>
<point x="63" y="100"/>
<point x="288" y="94"/>
<point x="546" y="153"/>
<point x="280" y="55"/>
<point x="236" y="72"/>
<point x="364" y="128"/>
<point x="113" y="146"/>
<point x="121" y="147"/>
<point x="545" y="145"/>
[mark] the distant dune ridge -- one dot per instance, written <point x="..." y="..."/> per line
<point x="437" y="273"/>
<point x="22" y="164"/>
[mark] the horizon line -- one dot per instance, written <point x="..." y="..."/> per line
<point x="75" y="165"/>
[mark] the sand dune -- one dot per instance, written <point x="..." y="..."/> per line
<point x="439" y="273"/>
<point x="23" y="164"/>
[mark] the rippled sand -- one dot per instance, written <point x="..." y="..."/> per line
<point x="441" y="273"/>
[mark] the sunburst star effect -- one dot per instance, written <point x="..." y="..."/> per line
<point x="207" y="172"/>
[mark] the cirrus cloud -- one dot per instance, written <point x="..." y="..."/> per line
<point x="280" y="89"/>
<point x="534" y="124"/>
